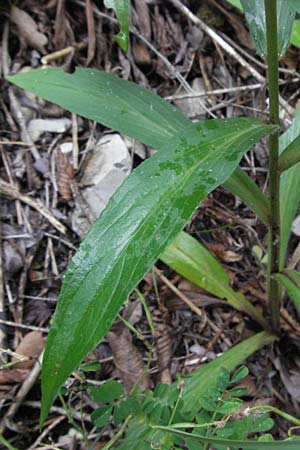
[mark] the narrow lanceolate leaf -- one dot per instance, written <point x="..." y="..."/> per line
<point x="142" y="218"/>
<point x="127" y="108"/>
<point x="121" y="8"/>
<point x="255" y="15"/>
<point x="290" y="156"/>
<point x="289" y="188"/>
<point x="193" y="261"/>
<point x="235" y="444"/>
<point x="290" y="279"/>
<point x="243" y="187"/>
<point x="109" y="100"/>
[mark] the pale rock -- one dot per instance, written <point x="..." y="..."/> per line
<point x="36" y="127"/>
<point x="296" y="226"/>
<point x="192" y="107"/>
<point x="107" y="168"/>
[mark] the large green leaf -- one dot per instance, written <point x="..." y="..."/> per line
<point x="235" y="444"/>
<point x="290" y="279"/>
<point x="122" y="8"/>
<point x="141" y="219"/>
<point x="109" y="100"/>
<point x="289" y="187"/>
<point x="196" y="385"/>
<point x="193" y="261"/>
<point x="255" y="15"/>
<point x="127" y="108"/>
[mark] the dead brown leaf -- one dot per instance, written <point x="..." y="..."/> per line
<point x="28" y="29"/>
<point x="223" y="253"/>
<point x="31" y="346"/>
<point x="164" y="346"/>
<point x="65" y="175"/>
<point x="127" y="358"/>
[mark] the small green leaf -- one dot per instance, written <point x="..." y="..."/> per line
<point x="223" y="379"/>
<point x="237" y="391"/>
<point x="194" y="262"/>
<point x="241" y="373"/>
<point x="108" y="392"/>
<point x="230" y="405"/>
<point x="204" y="378"/>
<point x="207" y="403"/>
<point x="92" y="366"/>
<point x="290" y="279"/>
<point x="101" y="415"/>
<point x="262" y="423"/>
<point x="121" y="8"/>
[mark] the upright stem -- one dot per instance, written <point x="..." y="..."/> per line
<point x="274" y="290"/>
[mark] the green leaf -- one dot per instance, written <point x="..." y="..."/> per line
<point x="101" y="415"/>
<point x="142" y="218"/>
<point x="238" y="391"/>
<point x="241" y="373"/>
<point x="290" y="156"/>
<point x="290" y="279"/>
<point x="204" y="378"/>
<point x="255" y="15"/>
<point x="289" y="188"/>
<point x="244" y="187"/>
<point x="194" y="262"/>
<point x="108" y="392"/>
<point x="223" y="379"/>
<point x="127" y="108"/>
<point x="235" y="444"/>
<point x="230" y="405"/>
<point x="121" y="8"/>
<point x="109" y="100"/>
<point x="196" y="385"/>
<point x="262" y="423"/>
<point x="295" y="36"/>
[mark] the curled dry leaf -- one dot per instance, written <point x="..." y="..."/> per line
<point x="28" y="29"/>
<point x="127" y="358"/>
<point x="223" y="253"/>
<point x="31" y="346"/>
<point x="164" y="346"/>
<point x="65" y="175"/>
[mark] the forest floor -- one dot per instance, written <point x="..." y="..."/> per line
<point x="50" y="196"/>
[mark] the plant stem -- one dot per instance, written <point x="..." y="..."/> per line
<point x="274" y="290"/>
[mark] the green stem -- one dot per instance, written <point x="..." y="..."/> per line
<point x="274" y="290"/>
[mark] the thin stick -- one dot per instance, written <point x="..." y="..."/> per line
<point x="7" y="190"/>
<point x="274" y="290"/>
